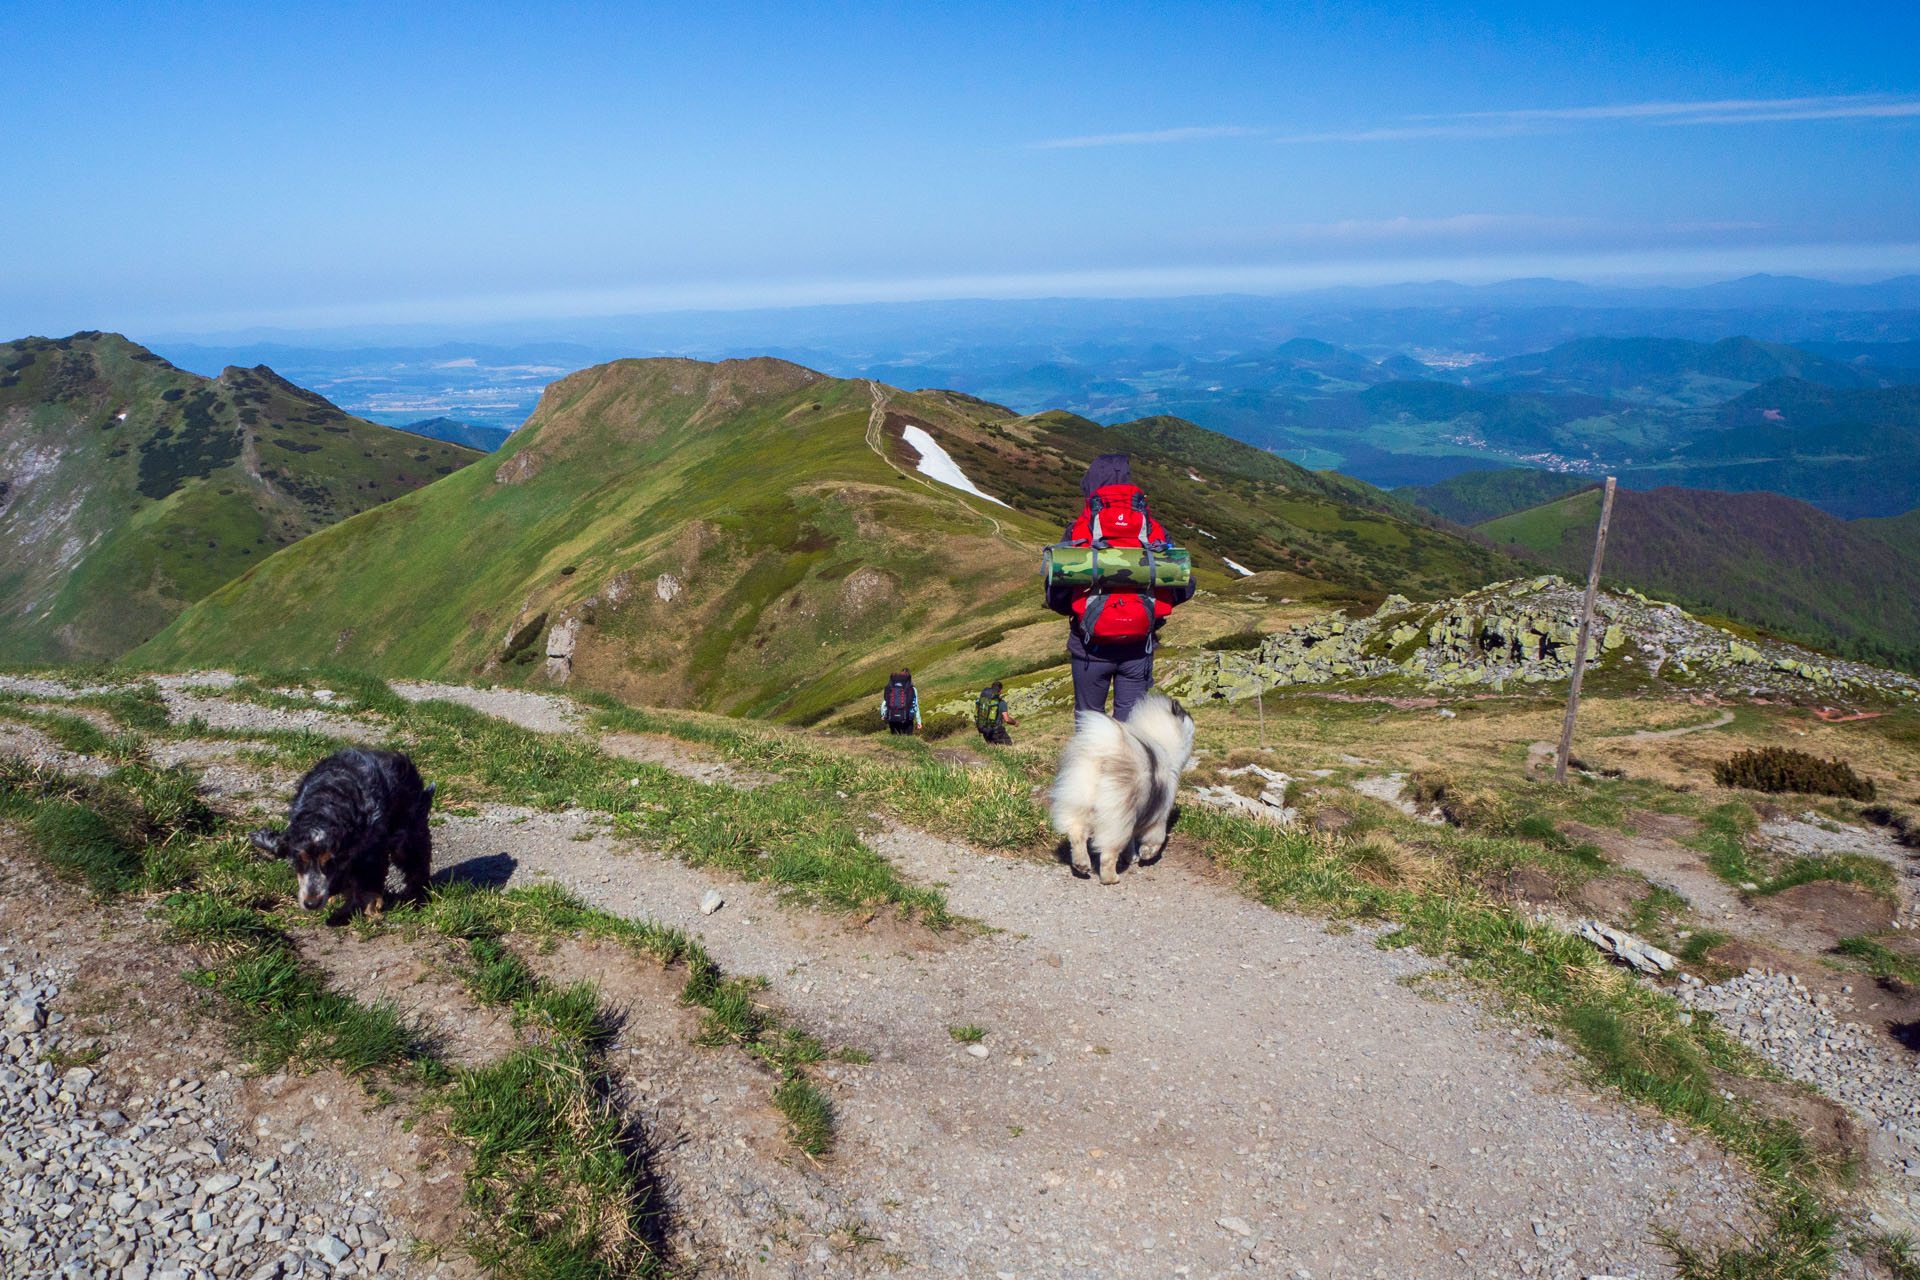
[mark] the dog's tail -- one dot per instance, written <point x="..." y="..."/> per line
<point x="1098" y="741"/>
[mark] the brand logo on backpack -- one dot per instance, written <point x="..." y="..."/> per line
<point x="1118" y="516"/>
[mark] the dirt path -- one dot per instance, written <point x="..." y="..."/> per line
<point x="1160" y="1056"/>
<point x="537" y="711"/>
<point x="1723" y="719"/>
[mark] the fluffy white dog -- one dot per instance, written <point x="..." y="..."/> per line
<point x="1116" y="782"/>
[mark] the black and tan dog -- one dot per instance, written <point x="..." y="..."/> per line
<point x="353" y="815"/>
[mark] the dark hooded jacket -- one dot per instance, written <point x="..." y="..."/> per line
<point x="1108" y="468"/>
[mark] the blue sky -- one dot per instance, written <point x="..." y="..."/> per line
<point x="191" y="166"/>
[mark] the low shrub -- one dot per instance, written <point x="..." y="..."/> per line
<point x="1783" y="769"/>
<point x="944" y="724"/>
<point x="1239" y="640"/>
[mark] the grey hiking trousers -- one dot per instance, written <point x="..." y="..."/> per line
<point x="1127" y="671"/>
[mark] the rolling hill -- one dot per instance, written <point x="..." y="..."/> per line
<point x="1849" y="586"/>
<point x="1476" y="496"/>
<point x="130" y="488"/>
<point x="758" y="538"/>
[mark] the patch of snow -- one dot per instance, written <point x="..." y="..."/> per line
<point x="1196" y="479"/>
<point x="1203" y="533"/>
<point x="1237" y="567"/>
<point x="937" y="464"/>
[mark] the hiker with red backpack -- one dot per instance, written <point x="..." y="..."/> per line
<point x="1112" y="621"/>
<point x="900" y="703"/>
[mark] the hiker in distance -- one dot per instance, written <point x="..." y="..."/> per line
<point x="1112" y="619"/>
<point x="900" y="704"/>
<point x="990" y="716"/>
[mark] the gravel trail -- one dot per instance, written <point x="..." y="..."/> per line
<point x="1159" y="1059"/>
<point x="537" y="711"/>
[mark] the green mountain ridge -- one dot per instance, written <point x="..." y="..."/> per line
<point x="130" y="488"/>
<point x="1852" y="587"/>
<point x="1476" y="496"/>
<point x="755" y="537"/>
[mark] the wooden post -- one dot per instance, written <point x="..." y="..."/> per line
<point x="1580" y="646"/>
<point x="1260" y="700"/>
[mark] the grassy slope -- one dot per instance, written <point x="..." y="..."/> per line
<point x="1760" y="557"/>
<point x="1475" y="496"/>
<point x="1261" y="510"/>
<point x="809" y="565"/>
<point x="134" y="488"/>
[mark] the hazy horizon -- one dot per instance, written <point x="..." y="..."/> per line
<point x="202" y="167"/>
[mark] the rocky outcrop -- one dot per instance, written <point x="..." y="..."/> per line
<point x="521" y="467"/>
<point x="1522" y="632"/>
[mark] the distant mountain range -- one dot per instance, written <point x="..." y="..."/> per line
<point x="452" y="430"/>
<point x="1851" y="586"/>
<point x="130" y="488"/>
<point x="1667" y="372"/>
<point x="757" y="538"/>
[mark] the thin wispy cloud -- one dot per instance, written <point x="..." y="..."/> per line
<point x="1533" y="120"/>
<point x="1724" y="111"/>
<point x="1194" y="133"/>
<point x="1529" y="120"/>
<point x="1412" y="132"/>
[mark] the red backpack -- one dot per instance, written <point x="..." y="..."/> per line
<point x="1116" y="515"/>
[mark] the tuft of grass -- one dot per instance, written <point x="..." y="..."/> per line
<point x="293" y="1019"/>
<point x="1798" y="1245"/>
<point x="967" y="1034"/>
<point x="81" y="842"/>
<point x="498" y="975"/>
<point x="1723" y="835"/>
<point x="215" y="925"/>
<point x="1846" y="868"/>
<point x="1894" y="1251"/>
<point x="556" y="1185"/>
<point x="810" y="1116"/>
<point x="1881" y="960"/>
<point x="1695" y="947"/>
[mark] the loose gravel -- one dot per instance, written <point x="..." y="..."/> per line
<point x="148" y="1188"/>
<point x="1805" y="1035"/>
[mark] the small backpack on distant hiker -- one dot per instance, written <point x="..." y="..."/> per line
<point x="900" y="704"/>
<point x="990" y="716"/>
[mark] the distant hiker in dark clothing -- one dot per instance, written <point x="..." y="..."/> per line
<point x="900" y="703"/>
<point x="1110" y="636"/>
<point x="990" y="716"/>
